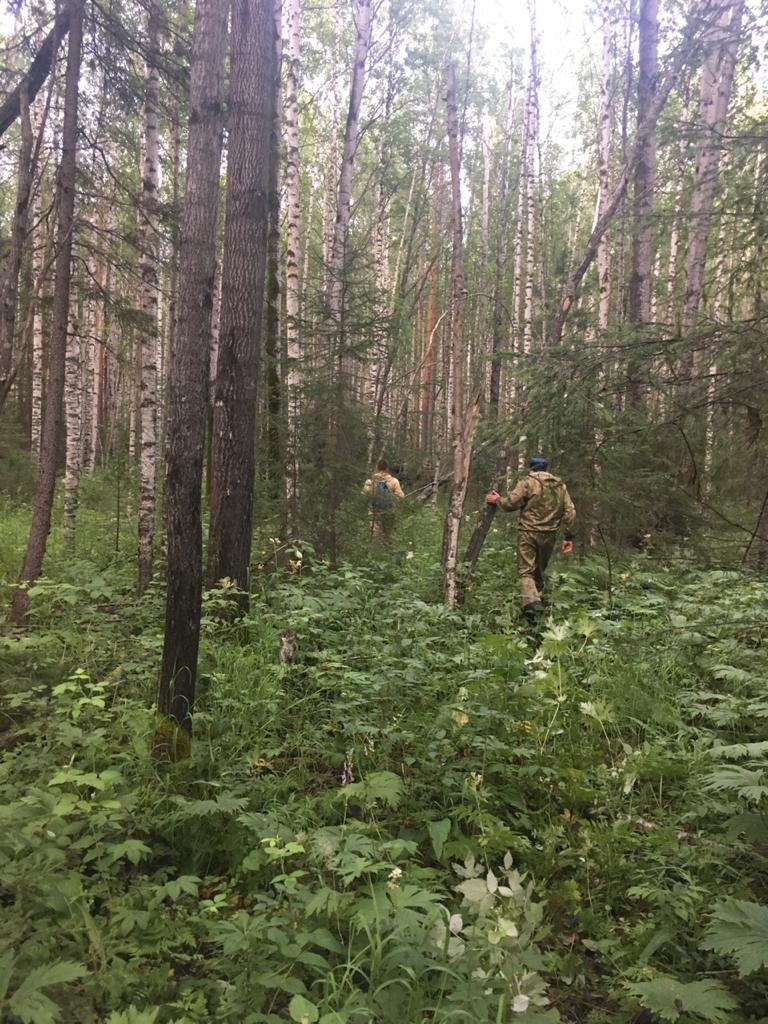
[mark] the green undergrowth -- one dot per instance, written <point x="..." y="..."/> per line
<point x="429" y="816"/>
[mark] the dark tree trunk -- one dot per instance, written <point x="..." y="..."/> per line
<point x="40" y="67"/>
<point x="242" y="293"/>
<point x="52" y="414"/>
<point x="18" y="237"/>
<point x="188" y="382"/>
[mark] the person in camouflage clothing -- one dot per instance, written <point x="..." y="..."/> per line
<point x="544" y="504"/>
<point x="383" y="492"/>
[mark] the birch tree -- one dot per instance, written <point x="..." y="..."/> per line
<point x="460" y="441"/>
<point x="51" y="427"/>
<point x="149" y="303"/>
<point x="292" y="259"/>
<point x="337" y="257"/>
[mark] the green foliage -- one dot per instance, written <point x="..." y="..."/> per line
<point x="740" y="928"/>
<point x="670" y="998"/>
<point x="429" y="815"/>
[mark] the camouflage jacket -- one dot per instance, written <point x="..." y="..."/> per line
<point x="543" y="500"/>
<point x="393" y="484"/>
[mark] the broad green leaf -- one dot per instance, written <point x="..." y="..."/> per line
<point x="438" y="833"/>
<point x="302" y="1011"/>
<point x="740" y="928"/>
<point x="132" y="849"/>
<point x="30" y="1004"/>
<point x="669" y="998"/>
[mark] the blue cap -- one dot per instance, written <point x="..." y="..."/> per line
<point x="538" y="463"/>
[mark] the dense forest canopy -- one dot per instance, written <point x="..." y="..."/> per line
<point x="291" y="294"/>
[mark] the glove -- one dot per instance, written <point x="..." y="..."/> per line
<point x="492" y="497"/>
<point x="567" y="543"/>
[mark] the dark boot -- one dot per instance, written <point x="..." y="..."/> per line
<point x="532" y="611"/>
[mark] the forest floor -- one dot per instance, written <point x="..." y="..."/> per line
<point x="429" y="816"/>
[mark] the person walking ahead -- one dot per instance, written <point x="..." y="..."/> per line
<point x="544" y="504"/>
<point x="383" y="490"/>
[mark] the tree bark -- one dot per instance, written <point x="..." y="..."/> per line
<point x="18" y="238"/>
<point x="460" y="444"/>
<point x="188" y="377"/>
<point x="273" y="291"/>
<point x="716" y="84"/>
<point x="337" y="259"/>
<point x="242" y="293"/>
<point x="73" y="408"/>
<point x="574" y="279"/>
<point x="645" y="183"/>
<point x="149" y="303"/>
<point x="51" y="427"/>
<point x="39" y="69"/>
<point x="603" y="164"/>
<point x="294" y="369"/>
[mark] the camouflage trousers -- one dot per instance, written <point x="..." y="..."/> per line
<point x="382" y="524"/>
<point x="534" y="551"/>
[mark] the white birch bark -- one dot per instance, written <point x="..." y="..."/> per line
<point x="530" y="182"/>
<point x="73" y="405"/>
<point x="674" y="238"/>
<point x="37" y="325"/>
<point x="331" y="191"/>
<point x="603" y="162"/>
<point x="460" y="442"/>
<point x="338" y="253"/>
<point x="149" y="305"/>
<point x="715" y="94"/>
<point x="294" y="376"/>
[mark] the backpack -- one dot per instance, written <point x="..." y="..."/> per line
<point x="382" y="499"/>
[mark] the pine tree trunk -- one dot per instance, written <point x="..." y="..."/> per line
<point x="52" y="414"/>
<point x="149" y="304"/>
<point x="242" y="292"/>
<point x="294" y="368"/>
<point x="188" y="382"/>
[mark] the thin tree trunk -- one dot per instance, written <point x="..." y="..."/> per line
<point x="273" y="298"/>
<point x="645" y="183"/>
<point x="51" y="428"/>
<point x="242" y="292"/>
<point x="460" y="443"/>
<point x="603" y="164"/>
<point x="716" y="84"/>
<point x="39" y="70"/>
<point x="37" y="326"/>
<point x="188" y="379"/>
<point x="294" y="369"/>
<point x="617" y="192"/>
<point x="336" y="265"/>
<point x="73" y="407"/>
<point x="18" y="238"/>
<point x="149" y="304"/>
